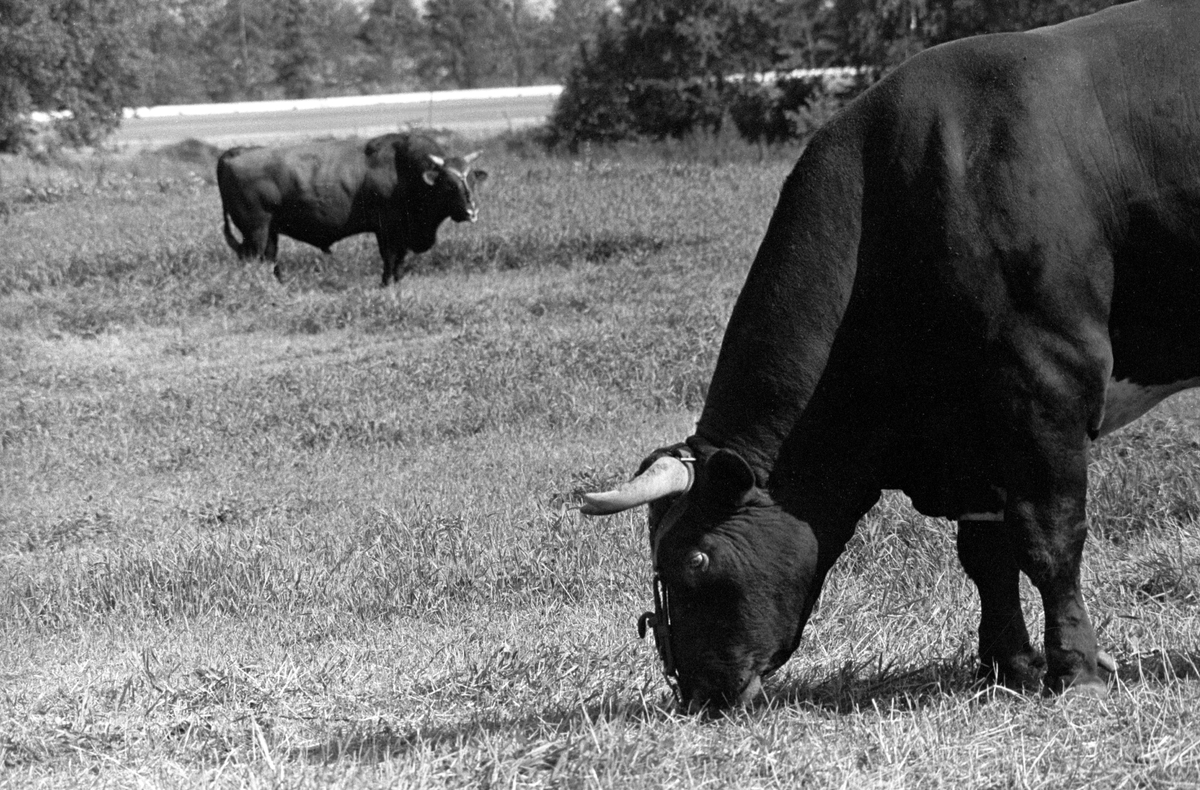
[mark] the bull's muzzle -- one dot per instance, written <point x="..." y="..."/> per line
<point x="703" y="701"/>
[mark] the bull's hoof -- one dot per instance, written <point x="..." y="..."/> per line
<point x="1092" y="688"/>
<point x="1022" y="672"/>
<point x="1085" y="684"/>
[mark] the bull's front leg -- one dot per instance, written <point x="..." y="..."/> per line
<point x="1006" y="656"/>
<point x="392" y="250"/>
<point x="271" y="252"/>
<point x="1046" y="508"/>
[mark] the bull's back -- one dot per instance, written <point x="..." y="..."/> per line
<point x="1070" y="153"/>
<point x="309" y="192"/>
<point x="1143" y="72"/>
<point x="1104" y="90"/>
<point x="323" y="184"/>
<point x="1032" y="197"/>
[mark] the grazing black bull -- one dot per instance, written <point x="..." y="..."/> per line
<point x="398" y="186"/>
<point x="986" y="262"/>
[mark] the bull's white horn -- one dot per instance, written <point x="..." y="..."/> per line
<point x="437" y="160"/>
<point x="471" y="157"/>
<point x="668" y="475"/>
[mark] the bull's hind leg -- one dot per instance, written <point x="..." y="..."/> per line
<point x="1006" y="656"/>
<point x="255" y="243"/>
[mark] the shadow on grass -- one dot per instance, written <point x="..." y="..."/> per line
<point x="847" y="690"/>
<point x="1159" y="666"/>
<point x="878" y="686"/>
<point x="856" y="687"/>
<point x="372" y="742"/>
<point x="486" y="253"/>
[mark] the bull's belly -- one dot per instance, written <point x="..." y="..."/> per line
<point x="1125" y="401"/>
<point x="313" y="234"/>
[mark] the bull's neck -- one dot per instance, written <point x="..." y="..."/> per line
<point x="785" y="320"/>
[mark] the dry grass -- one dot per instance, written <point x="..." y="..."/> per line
<point x="320" y="534"/>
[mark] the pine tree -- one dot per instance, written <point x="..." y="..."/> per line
<point x="397" y="40"/>
<point x="297" y="66"/>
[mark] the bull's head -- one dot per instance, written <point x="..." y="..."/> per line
<point x="454" y="182"/>
<point x="735" y="575"/>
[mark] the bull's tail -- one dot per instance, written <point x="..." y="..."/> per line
<point x="226" y="186"/>
<point x="231" y="239"/>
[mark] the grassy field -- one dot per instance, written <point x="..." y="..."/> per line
<point x="321" y="534"/>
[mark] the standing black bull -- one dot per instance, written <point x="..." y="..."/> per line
<point x="986" y="262"/>
<point x="398" y="186"/>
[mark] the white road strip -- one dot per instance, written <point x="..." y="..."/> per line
<point x="283" y="105"/>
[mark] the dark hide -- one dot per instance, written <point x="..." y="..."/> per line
<point x="320" y="193"/>
<point x="987" y="261"/>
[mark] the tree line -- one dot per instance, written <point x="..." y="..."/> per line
<point x="94" y="57"/>
<point x="668" y="68"/>
<point x="631" y="68"/>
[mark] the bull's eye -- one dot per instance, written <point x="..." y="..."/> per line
<point x="698" y="561"/>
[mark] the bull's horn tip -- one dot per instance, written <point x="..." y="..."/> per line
<point x="598" y="505"/>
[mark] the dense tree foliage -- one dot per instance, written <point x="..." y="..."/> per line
<point x="92" y="58"/>
<point x="395" y="46"/>
<point x="57" y="55"/>
<point x="630" y="67"/>
<point x="254" y="49"/>
<point x="671" y="67"/>
<point x="882" y="33"/>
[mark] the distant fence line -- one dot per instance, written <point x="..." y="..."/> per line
<point x="420" y="97"/>
<point x="284" y="105"/>
<point x="833" y="75"/>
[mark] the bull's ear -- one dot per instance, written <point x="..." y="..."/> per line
<point x="430" y="177"/>
<point x="729" y="476"/>
<point x="480" y="176"/>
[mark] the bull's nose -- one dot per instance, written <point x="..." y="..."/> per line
<point x="752" y="692"/>
<point x="711" y="702"/>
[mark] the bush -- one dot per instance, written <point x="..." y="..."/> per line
<point x="675" y="108"/>
<point x="594" y="105"/>
<point x="768" y="112"/>
<point x="63" y="55"/>
<point x="790" y="108"/>
<point x="664" y="69"/>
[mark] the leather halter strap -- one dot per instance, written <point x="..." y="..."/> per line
<point x="659" y="621"/>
